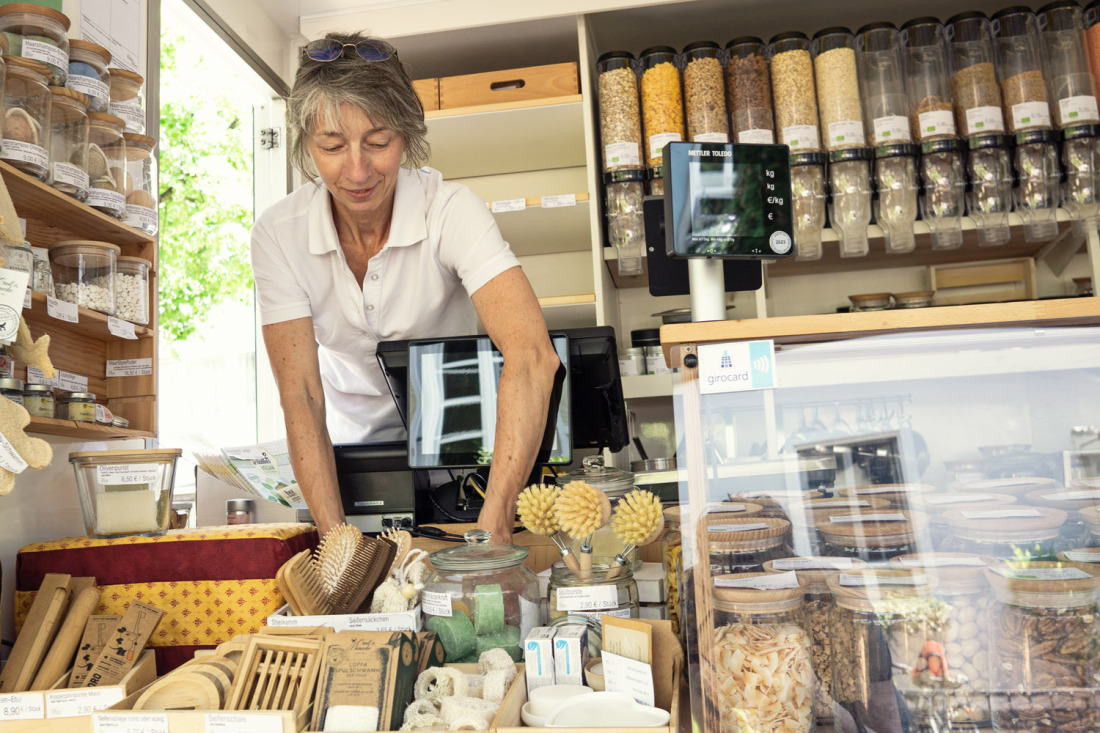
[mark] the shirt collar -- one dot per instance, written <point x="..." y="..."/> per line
<point x="407" y="227"/>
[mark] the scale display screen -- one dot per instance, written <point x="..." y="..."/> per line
<point x="728" y="200"/>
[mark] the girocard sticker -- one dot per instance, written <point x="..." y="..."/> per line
<point x="779" y="581"/>
<point x="127" y="474"/>
<point x="435" y="603"/>
<point x="737" y="367"/>
<point x="129" y="367"/>
<point x="590" y="598"/>
<point x="13" y="289"/>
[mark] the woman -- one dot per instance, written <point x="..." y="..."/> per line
<point x="372" y="250"/>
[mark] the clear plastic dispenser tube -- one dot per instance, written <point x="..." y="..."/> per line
<point x="882" y="84"/>
<point x="850" y="200"/>
<point x="897" y="185"/>
<point x="943" y="199"/>
<point x="1081" y="164"/>
<point x="1037" y="194"/>
<point x="989" y="198"/>
<point x="624" y="191"/>
<point x="808" y="203"/>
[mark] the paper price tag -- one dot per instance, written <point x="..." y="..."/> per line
<point x="121" y="328"/>
<point x="69" y="703"/>
<point x="898" y="489"/>
<point x="228" y="723"/>
<point x="748" y="527"/>
<point x="498" y="207"/>
<point x="130" y="723"/>
<point x="126" y="474"/>
<point x="1043" y="573"/>
<point x="861" y="581"/>
<point x="559" y="201"/>
<point x="436" y="603"/>
<point x="756" y="137"/>
<point x="1004" y="514"/>
<point x="629" y="676"/>
<point x="1074" y="495"/>
<point x="35" y="376"/>
<point x="958" y="499"/>
<point x="22" y="706"/>
<point x="839" y="504"/>
<point x="762" y="582"/>
<point x="129" y="367"/>
<point x="594" y="598"/>
<point x="62" y="310"/>
<point x="1080" y="556"/>
<point x="814" y="563"/>
<point x="72" y="382"/>
<point x="853" y="518"/>
<point x="726" y="509"/>
<point x="940" y="562"/>
<point x="10" y="459"/>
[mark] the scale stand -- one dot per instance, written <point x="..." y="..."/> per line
<point x="708" y="289"/>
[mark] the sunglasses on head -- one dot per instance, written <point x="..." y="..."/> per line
<point x="328" y="49"/>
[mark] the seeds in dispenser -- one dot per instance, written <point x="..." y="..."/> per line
<point x="704" y="98"/>
<point x="620" y="123"/>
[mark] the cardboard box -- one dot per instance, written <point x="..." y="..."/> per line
<point x="538" y="656"/>
<point x="403" y="621"/>
<point x="510" y="85"/>
<point x="570" y="654"/>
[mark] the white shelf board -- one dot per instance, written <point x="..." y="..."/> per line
<point x="648" y="385"/>
<point x="569" y="311"/>
<point x="500" y="138"/>
<point x="539" y="231"/>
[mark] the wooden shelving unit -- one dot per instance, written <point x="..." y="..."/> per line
<point x="538" y="230"/>
<point x="83" y="430"/>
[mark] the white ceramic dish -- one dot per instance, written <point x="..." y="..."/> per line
<point x="543" y="700"/>
<point x="530" y="719"/>
<point x="605" y="710"/>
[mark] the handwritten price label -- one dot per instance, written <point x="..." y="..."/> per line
<point x="595" y="598"/>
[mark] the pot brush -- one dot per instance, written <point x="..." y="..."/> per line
<point x="638" y="520"/>
<point x="581" y="509"/>
<point x="535" y="507"/>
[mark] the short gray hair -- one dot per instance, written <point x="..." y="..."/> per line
<point x="382" y="89"/>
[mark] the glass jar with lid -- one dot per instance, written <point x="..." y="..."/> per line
<point x="26" y="116"/>
<point x="106" y="164"/>
<point x="818" y="510"/>
<point x="793" y="93"/>
<point x="480" y="597"/>
<point x="132" y="289"/>
<point x="672" y="550"/>
<point x="39" y="400"/>
<point x="128" y="98"/>
<point x="778" y="503"/>
<point x="88" y="73"/>
<point x="620" y="115"/>
<point x="615" y="483"/>
<point x="886" y="625"/>
<point x="705" y="94"/>
<point x="38" y="33"/>
<point x="79" y="406"/>
<point x="1066" y="64"/>
<point x="603" y="590"/>
<point x="141" y="183"/>
<point x="662" y="103"/>
<point x="882" y="78"/>
<point x="744" y="544"/>
<point x="12" y="389"/>
<point x="84" y="273"/>
<point x="1016" y="532"/>
<point x="873" y="536"/>
<point x="749" y="91"/>
<point x="1046" y="623"/>
<point x="1075" y="531"/>
<point x="763" y="654"/>
<point x="934" y="505"/>
<point x="900" y="496"/>
<point x="837" y="82"/>
<point x="69" y="142"/>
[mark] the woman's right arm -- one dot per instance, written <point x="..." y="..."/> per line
<point x="293" y="353"/>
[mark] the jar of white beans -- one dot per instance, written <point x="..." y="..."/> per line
<point x="132" y="290"/>
<point x="84" y="273"/>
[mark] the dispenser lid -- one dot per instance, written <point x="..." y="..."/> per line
<point x="840" y="156"/>
<point x="1077" y="131"/>
<point x="615" y="55"/>
<point x="478" y="554"/>
<point x="897" y="150"/>
<point x="612" y="481"/>
<point x="624" y="176"/>
<point x="741" y="40"/>
<point x="1034" y="136"/>
<point x="981" y="142"/>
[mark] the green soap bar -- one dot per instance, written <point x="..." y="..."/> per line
<point x="508" y="640"/>
<point x="456" y="633"/>
<point x="488" y="609"/>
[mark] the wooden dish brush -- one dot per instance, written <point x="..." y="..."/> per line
<point x="581" y="509"/>
<point x="535" y="507"/>
<point x="638" y="520"/>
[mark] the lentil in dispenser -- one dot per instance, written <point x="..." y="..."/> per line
<point x="141" y="183"/>
<point x="748" y="91"/>
<point x="69" y="142"/>
<point x="106" y="164"/>
<point x="704" y="94"/>
<point x="795" y="100"/>
<point x="26" y="116"/>
<point x="980" y="119"/>
<point x="38" y="33"/>
<point x="662" y="109"/>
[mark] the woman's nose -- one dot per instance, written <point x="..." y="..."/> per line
<point x="358" y="164"/>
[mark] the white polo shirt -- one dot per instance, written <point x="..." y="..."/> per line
<point x="443" y="246"/>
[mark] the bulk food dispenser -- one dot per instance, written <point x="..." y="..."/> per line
<point x="1027" y="113"/>
<point x="980" y="121"/>
<point x="886" y="114"/>
<point x="932" y="114"/>
<point x="841" y="118"/>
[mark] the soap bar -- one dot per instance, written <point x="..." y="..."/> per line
<point x="488" y="609"/>
<point x="508" y="640"/>
<point x="456" y="633"/>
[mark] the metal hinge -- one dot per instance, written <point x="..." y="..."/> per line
<point x="269" y="138"/>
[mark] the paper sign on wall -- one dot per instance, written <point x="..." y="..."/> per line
<point x="13" y="286"/>
<point x="737" y="367"/>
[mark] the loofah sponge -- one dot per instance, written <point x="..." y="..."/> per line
<point x="637" y="516"/>
<point x="581" y="508"/>
<point x="535" y="507"/>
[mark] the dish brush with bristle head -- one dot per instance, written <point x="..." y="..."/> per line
<point x="581" y="509"/>
<point x="638" y="520"/>
<point x="535" y="507"/>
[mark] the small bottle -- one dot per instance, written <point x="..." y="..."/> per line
<point x="239" y="511"/>
<point x="12" y="389"/>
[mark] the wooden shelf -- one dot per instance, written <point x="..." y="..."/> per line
<point x="36" y="200"/>
<point x="92" y="323"/>
<point x="538" y="231"/>
<point x="569" y="311"/>
<point x="506" y="138"/>
<point x="82" y="430"/>
<point x="648" y="385"/>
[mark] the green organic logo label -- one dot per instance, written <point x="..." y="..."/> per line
<point x="1025" y="120"/>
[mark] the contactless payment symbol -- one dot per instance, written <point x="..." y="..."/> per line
<point x="737" y="367"/>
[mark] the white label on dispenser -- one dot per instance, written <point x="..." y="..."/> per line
<point x="558" y="201"/>
<point x="891" y="129"/>
<point x="711" y="137"/>
<point x="62" y="310"/>
<point x="893" y="489"/>
<point x="70" y="174"/>
<point x="499" y="207"/>
<point x="70" y="703"/>
<point x="46" y="52"/>
<point x="229" y="723"/>
<point x="24" y="152"/>
<point x="72" y="382"/>
<point x="814" y="563"/>
<point x="130" y="723"/>
<point x="126" y="474"/>
<point x="1078" y="109"/>
<point x="105" y="198"/>
<point x="1074" y="495"/>
<point x="132" y="114"/>
<point x="590" y="598"/>
<point x="1082" y="556"/>
<point x="10" y="458"/>
<point x="747" y="527"/>
<point x="140" y="217"/>
<point x="1043" y="573"/>
<point x="846" y="132"/>
<point x="984" y="119"/>
<point x="435" y="603"/>
<point x="756" y="137"/>
<point x="121" y="328"/>
<point x="779" y="581"/>
<point x="89" y="86"/>
<point x="800" y="137"/>
<point x="862" y="581"/>
<point x="658" y="142"/>
<point x="1004" y="514"/>
<point x="129" y="367"/>
<point x="926" y="561"/>
<point x="936" y="122"/>
<point x="22" y="706"/>
<point x="617" y="155"/>
<point x="1026" y="115"/>
<point x="958" y="499"/>
<point x="854" y="518"/>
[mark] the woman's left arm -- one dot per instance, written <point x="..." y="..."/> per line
<point x="513" y="319"/>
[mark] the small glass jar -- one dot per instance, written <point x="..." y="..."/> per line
<point x="12" y="389"/>
<point x="125" y="492"/>
<point x="704" y="94"/>
<point x="132" y="289"/>
<point x="632" y="362"/>
<point x="749" y="91"/>
<point x="239" y="511"/>
<point x="1044" y="663"/>
<point x="615" y="483"/>
<point x="792" y="76"/>
<point x="106" y="164"/>
<point x="141" y="183"/>
<point x="1075" y="531"/>
<point x="79" y="406"/>
<point x="88" y="73"/>
<point x="84" y="273"/>
<point x="128" y="98"/>
<point x="744" y="544"/>
<point x="593" y="593"/>
<point x="1015" y="532"/>
<point x="762" y="655"/>
<point x="900" y="496"/>
<point x="672" y="550"/>
<point x="838" y="101"/>
<point x="934" y="505"/>
<point x="69" y="142"/>
<point x="872" y="536"/>
<point x="39" y="400"/>
<point x="882" y="80"/>
<point x="620" y="116"/>
<point x="808" y="203"/>
<point x="662" y="102"/>
<point x="38" y="33"/>
<point x="649" y="340"/>
<point x="26" y="116"/>
<point x="43" y="274"/>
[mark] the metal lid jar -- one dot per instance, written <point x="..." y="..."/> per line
<point x="872" y="536"/>
<point x="38" y="33"/>
<point x="106" y="164"/>
<point x="749" y="91"/>
<point x="79" y="406"/>
<point x="480" y="597"/>
<point x="88" y="73"/>
<point x="662" y="103"/>
<point x="132" y="289"/>
<point x="84" y="273"/>
<point x="141" y="183"/>
<point x="128" y="98"/>
<point x="26" y="115"/>
<point x="615" y="483"/>
<point x="705" y="94"/>
<point x="39" y="400"/>
<point x="792" y="74"/>
<point x="12" y="389"/>
<point x="620" y="116"/>
<point x="69" y="142"/>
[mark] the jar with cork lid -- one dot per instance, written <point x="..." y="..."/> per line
<point x="141" y="183"/>
<point x="1012" y="532"/>
<point x="106" y="164"/>
<point x="128" y="98"/>
<point x="40" y="34"/>
<point x="26" y="143"/>
<point x="88" y="73"/>
<point x="744" y="544"/>
<point x="69" y="142"/>
<point x="873" y="536"/>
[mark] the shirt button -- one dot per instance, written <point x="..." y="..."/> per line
<point x="374" y="277"/>
<point x="370" y="307"/>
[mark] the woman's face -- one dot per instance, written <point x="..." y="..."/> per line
<point x="359" y="162"/>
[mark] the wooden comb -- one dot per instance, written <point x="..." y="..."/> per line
<point x="300" y="582"/>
